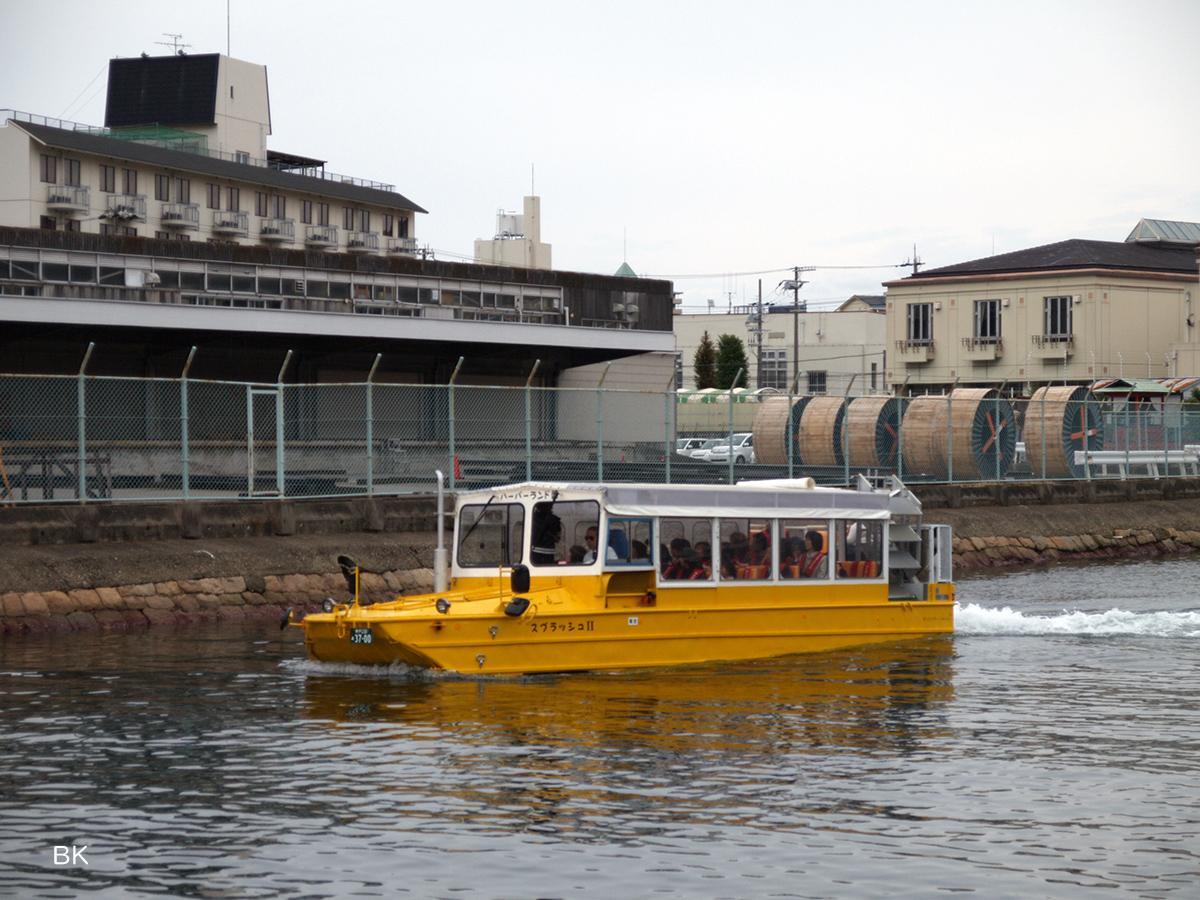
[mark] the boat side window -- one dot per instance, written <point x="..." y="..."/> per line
<point x="558" y="532"/>
<point x="745" y="549"/>
<point x="490" y="536"/>
<point x="629" y="542"/>
<point x="804" y="549"/>
<point x="685" y="551"/>
<point x="859" y="549"/>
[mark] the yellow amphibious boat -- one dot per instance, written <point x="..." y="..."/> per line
<point x="557" y="577"/>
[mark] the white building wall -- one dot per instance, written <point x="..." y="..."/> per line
<point x="243" y="110"/>
<point x="841" y="344"/>
<point x="628" y="417"/>
<point x="18" y="176"/>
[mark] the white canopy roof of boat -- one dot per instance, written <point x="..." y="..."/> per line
<point x="777" y="498"/>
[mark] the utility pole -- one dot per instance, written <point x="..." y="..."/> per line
<point x="795" y="284"/>
<point x="914" y="261"/>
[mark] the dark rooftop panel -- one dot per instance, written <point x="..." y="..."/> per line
<point x="1074" y="254"/>
<point x="169" y="90"/>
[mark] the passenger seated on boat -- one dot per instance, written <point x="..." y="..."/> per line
<point x="702" y="570"/>
<point x="791" y="557"/>
<point x="576" y="554"/>
<point x="679" y="567"/>
<point x="816" y="560"/>
<point x="547" y="532"/>
<point x="640" y="552"/>
<point x="664" y="558"/>
<point x="589" y="538"/>
<point x="733" y="555"/>
<point x="618" y="546"/>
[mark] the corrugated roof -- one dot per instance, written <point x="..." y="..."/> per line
<point x="1165" y="231"/>
<point x="98" y="145"/>
<point x="1076" y="254"/>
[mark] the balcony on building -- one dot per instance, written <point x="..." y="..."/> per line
<point x="277" y="230"/>
<point x="1053" y="346"/>
<point x="126" y="208"/>
<point x="184" y="216"/>
<point x="982" y="349"/>
<point x="362" y="242"/>
<point x="404" y="245"/>
<point x="914" y="352"/>
<point x="67" y="198"/>
<point x="321" y="236"/>
<point x="231" y="223"/>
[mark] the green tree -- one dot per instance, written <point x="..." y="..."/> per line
<point x="704" y="363"/>
<point x="731" y="356"/>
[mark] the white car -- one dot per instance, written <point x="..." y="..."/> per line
<point x="743" y="450"/>
<point x="704" y="449"/>
<point x="685" y="446"/>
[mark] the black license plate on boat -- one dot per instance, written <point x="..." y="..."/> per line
<point x="361" y="636"/>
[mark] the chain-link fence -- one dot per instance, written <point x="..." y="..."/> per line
<point x="64" y="438"/>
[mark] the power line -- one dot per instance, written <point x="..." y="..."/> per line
<point x="70" y="105"/>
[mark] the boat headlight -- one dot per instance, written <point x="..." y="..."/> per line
<point x="443" y="605"/>
<point x="327" y="604"/>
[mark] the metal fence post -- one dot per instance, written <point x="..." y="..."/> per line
<point x="1045" y="391"/>
<point x="184" y="428"/>
<point x="846" y="430"/>
<point x="280" y="480"/>
<point x="450" y="421"/>
<point x="81" y="409"/>
<point x="732" y="386"/>
<point x="600" y="423"/>
<point x="791" y="437"/>
<point x="1085" y="427"/>
<point x="370" y="386"/>
<point x="950" y="437"/>
<point x="670" y="449"/>
<point x="529" y="421"/>
<point x="1166" y="440"/>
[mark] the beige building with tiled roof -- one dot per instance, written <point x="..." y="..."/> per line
<point x="1072" y="311"/>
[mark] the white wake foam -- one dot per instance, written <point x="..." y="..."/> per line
<point x="975" y="619"/>
<point x="394" y="672"/>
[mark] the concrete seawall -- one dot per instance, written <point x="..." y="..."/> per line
<point x="123" y="566"/>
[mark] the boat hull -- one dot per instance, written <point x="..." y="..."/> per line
<point x="617" y="638"/>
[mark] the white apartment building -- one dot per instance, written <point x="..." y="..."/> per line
<point x="838" y="349"/>
<point x="183" y="156"/>
<point x="518" y="239"/>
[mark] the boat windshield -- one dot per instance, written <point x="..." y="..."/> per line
<point x="490" y="535"/>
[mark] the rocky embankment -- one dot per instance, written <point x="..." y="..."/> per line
<point x="998" y="551"/>
<point x="125" y="586"/>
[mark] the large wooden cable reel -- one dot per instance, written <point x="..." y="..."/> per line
<point x="821" y="431"/>
<point x="969" y="436"/>
<point x="872" y="428"/>
<point x="771" y="429"/>
<point x="1058" y="422"/>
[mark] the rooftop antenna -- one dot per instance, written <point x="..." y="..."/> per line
<point x="176" y="47"/>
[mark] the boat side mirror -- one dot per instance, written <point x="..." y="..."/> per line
<point x="519" y="581"/>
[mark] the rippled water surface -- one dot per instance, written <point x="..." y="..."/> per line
<point x="1050" y="748"/>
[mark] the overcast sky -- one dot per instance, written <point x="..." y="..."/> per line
<point x="722" y="137"/>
